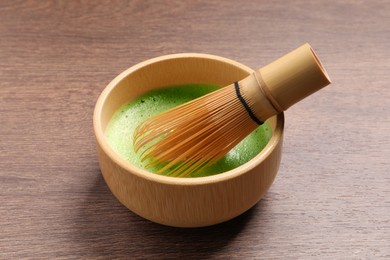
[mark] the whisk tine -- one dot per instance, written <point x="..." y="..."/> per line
<point x="194" y="135"/>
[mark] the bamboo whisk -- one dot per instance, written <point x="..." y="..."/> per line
<point x="196" y="134"/>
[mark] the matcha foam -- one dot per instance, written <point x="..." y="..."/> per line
<point x="120" y="130"/>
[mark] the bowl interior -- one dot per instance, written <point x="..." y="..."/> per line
<point x="164" y="71"/>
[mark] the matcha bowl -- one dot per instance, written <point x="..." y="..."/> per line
<point x="182" y="202"/>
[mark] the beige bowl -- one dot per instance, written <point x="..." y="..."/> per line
<point x="182" y="202"/>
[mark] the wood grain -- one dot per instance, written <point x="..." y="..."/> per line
<point x="331" y="197"/>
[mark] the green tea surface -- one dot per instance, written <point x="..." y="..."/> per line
<point x="120" y="130"/>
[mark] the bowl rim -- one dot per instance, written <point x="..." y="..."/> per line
<point x="124" y="164"/>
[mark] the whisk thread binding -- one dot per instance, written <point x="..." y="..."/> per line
<point x="246" y="106"/>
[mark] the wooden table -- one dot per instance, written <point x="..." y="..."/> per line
<point x="331" y="198"/>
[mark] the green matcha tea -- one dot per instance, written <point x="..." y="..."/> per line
<point x="120" y="130"/>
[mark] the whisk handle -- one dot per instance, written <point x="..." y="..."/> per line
<point x="292" y="77"/>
